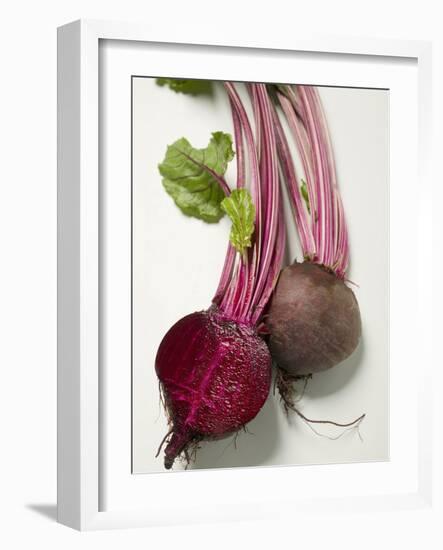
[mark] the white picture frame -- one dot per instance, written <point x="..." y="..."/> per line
<point x="79" y="370"/>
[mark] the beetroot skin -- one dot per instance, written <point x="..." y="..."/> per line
<point x="215" y="376"/>
<point x="313" y="320"/>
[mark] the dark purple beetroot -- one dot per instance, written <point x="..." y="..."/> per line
<point x="314" y="320"/>
<point x="215" y="375"/>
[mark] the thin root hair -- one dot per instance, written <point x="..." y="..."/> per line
<point x="354" y="425"/>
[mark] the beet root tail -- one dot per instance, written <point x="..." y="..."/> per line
<point x="178" y="443"/>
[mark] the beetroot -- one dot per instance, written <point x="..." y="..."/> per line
<point x="216" y="375"/>
<point x="314" y="320"/>
<point x="214" y="369"/>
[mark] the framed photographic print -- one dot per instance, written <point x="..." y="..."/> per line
<point x="234" y="222"/>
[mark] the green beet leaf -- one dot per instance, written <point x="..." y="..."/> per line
<point x="187" y="178"/>
<point x="240" y="208"/>
<point x="187" y="86"/>
<point x="305" y="195"/>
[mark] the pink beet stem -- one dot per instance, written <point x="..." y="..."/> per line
<point x="306" y="118"/>
<point x="247" y="281"/>
<point x="292" y="184"/>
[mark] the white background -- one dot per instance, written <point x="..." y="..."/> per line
<point x="260" y="486"/>
<point x="178" y="261"/>
<point x="28" y="274"/>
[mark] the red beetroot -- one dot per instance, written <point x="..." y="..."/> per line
<point x="216" y="376"/>
<point x="214" y="369"/>
<point x="314" y="318"/>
